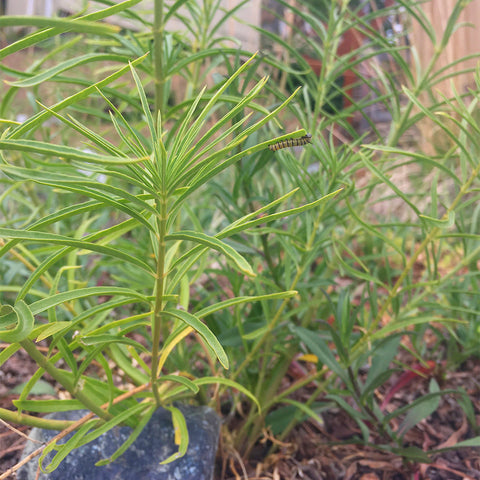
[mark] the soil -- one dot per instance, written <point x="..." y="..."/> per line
<point x="332" y="450"/>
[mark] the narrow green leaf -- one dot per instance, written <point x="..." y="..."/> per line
<point x="421" y="409"/>
<point x="144" y="419"/>
<point x="59" y="298"/>
<point x="67" y="65"/>
<point x="181" y="434"/>
<point x="60" y="24"/>
<point x="180" y="379"/>
<point x="213" y="381"/>
<point x="402" y="324"/>
<point x="63" y="151"/>
<point x="145" y="105"/>
<point x="305" y="409"/>
<point x="471" y="442"/>
<point x="40" y="387"/>
<point x="240" y="300"/>
<point x="47" y="406"/>
<point x="7" y="352"/>
<point x="105" y="339"/>
<point x="245" y="222"/>
<point x="65" y="450"/>
<point x="18" y="315"/>
<point x="382" y="355"/>
<point x="319" y="347"/>
<point x="376" y="171"/>
<point x="41" y="117"/>
<point x="84" y="435"/>
<point x="255" y="333"/>
<point x="53" y="239"/>
<point x="52" y="329"/>
<point x="116" y="420"/>
<point x="413" y="454"/>
<point x="36" y="37"/>
<point x="215" y="244"/>
<point x="203" y="330"/>
<point x="357" y="416"/>
<point x="438" y="222"/>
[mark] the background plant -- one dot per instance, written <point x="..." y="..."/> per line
<point x="355" y="270"/>
<point x="352" y="261"/>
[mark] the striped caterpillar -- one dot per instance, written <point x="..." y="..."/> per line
<point x="291" y="142"/>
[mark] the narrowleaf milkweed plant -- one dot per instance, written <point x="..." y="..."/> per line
<point x="145" y="184"/>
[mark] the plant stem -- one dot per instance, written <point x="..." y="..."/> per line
<point x="159" y="293"/>
<point x="62" y="378"/>
<point x="158" y="58"/>
<point x="31" y="421"/>
<point x="267" y="338"/>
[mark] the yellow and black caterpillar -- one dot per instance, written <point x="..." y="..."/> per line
<point x="291" y="142"/>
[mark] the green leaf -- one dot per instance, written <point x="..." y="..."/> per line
<point x="41" y="117"/>
<point x="203" y="330"/>
<point x="19" y="315"/>
<point x="381" y="175"/>
<point x="63" y="151"/>
<point x="215" y="244"/>
<point x="180" y="379"/>
<point x="413" y="454"/>
<point x="382" y="355"/>
<point x="84" y="436"/>
<point x="438" y="222"/>
<point x="52" y="329"/>
<point x="402" y="324"/>
<point x="305" y="409"/>
<point x="47" y="406"/>
<point x="46" y="303"/>
<point x="105" y="339"/>
<point x="133" y="436"/>
<point x="7" y="352"/>
<point x="67" y="65"/>
<point x="240" y="300"/>
<point x="213" y="381"/>
<point x="65" y="450"/>
<point x="319" y="347"/>
<point x="54" y="239"/>
<point x="36" y="37"/>
<point x="354" y="414"/>
<point x="60" y="24"/>
<point x="181" y="434"/>
<point x="471" y="442"/>
<point x="252" y="220"/>
<point x="421" y="409"/>
<point x="119" y="418"/>
<point x="41" y="387"/>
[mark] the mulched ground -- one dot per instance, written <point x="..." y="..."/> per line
<point x="322" y="452"/>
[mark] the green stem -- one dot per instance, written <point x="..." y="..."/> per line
<point x="31" y="421"/>
<point x="159" y="294"/>
<point x="267" y="338"/>
<point x="158" y="58"/>
<point x="63" y="379"/>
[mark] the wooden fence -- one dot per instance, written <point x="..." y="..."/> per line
<point x="464" y="42"/>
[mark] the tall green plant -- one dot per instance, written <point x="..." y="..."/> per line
<point x="124" y="209"/>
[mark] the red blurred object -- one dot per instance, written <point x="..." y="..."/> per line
<point x="418" y="370"/>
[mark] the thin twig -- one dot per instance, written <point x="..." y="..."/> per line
<point x="18" y="432"/>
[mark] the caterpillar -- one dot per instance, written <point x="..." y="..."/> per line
<point x="291" y="142"/>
